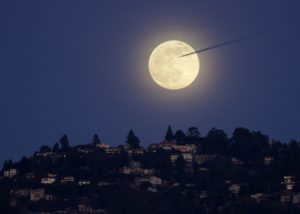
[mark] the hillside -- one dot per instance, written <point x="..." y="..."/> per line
<point x="185" y="173"/>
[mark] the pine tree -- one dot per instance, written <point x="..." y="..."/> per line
<point x="64" y="142"/>
<point x="169" y="135"/>
<point x="132" y="140"/>
<point x="95" y="140"/>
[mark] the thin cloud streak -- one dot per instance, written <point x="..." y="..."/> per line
<point x="220" y="45"/>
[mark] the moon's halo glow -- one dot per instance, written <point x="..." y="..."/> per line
<point x="171" y="71"/>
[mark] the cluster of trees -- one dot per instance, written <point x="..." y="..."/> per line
<point x="243" y="144"/>
<point x="249" y="147"/>
<point x="63" y="145"/>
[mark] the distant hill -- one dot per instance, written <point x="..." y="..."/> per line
<point x="184" y="173"/>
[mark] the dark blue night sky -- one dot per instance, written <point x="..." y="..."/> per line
<point x="81" y="67"/>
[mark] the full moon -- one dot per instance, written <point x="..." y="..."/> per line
<point x="171" y="71"/>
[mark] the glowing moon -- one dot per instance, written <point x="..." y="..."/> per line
<point x="171" y="71"/>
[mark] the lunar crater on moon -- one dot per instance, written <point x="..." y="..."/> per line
<point x="171" y="71"/>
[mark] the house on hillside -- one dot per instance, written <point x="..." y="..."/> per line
<point x="67" y="179"/>
<point x="102" y="146"/>
<point x="187" y="157"/>
<point x="174" y="157"/>
<point x="10" y="173"/>
<point x="286" y="197"/>
<point x="203" y="158"/>
<point x="20" y="193"/>
<point x="30" y="175"/>
<point x="235" y="189"/>
<point x="83" y="182"/>
<point x="288" y="182"/>
<point x="268" y="160"/>
<point x="48" y="180"/>
<point x="155" y="180"/>
<point x="37" y="194"/>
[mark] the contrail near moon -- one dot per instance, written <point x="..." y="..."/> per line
<point x="219" y="45"/>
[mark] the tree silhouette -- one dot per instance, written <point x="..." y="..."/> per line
<point x="193" y="132"/>
<point x="45" y="148"/>
<point x="64" y="142"/>
<point x="95" y="140"/>
<point x="55" y="147"/>
<point x="180" y="137"/>
<point x="193" y="135"/>
<point x="24" y="164"/>
<point x="7" y="164"/>
<point x="216" y="141"/>
<point x="169" y="135"/>
<point x="132" y="140"/>
<point x="248" y="145"/>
